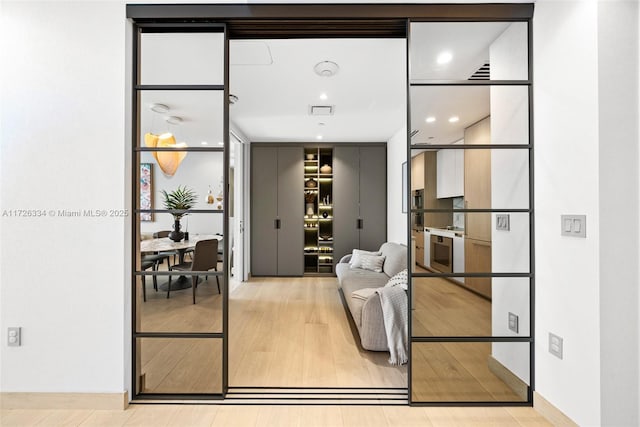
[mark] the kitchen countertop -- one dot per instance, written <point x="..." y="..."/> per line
<point x="457" y="232"/>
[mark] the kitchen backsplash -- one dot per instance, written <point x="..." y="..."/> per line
<point x="458" y="217"/>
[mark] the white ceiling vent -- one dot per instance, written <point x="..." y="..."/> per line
<point x="321" y="110"/>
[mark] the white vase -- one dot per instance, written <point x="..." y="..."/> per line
<point x="310" y="209"/>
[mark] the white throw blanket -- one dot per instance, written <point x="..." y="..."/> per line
<point x="394" y="313"/>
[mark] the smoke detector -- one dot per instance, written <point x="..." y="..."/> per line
<point x="326" y="68"/>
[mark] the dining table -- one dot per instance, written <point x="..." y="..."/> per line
<point x="165" y="244"/>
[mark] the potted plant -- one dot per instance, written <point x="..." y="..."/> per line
<point x="178" y="202"/>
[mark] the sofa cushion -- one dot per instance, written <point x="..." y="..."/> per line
<point x="396" y="258"/>
<point x="368" y="262"/>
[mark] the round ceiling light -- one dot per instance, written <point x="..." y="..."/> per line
<point x="444" y="58"/>
<point x="232" y="99"/>
<point x="430" y="119"/>
<point x="453" y="119"/>
<point x="326" y="68"/>
<point x="173" y="120"/>
<point x="159" y="108"/>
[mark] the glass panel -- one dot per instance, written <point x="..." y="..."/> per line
<point x="446" y="307"/>
<point x="157" y="313"/>
<point x="194" y="118"/>
<point x="182" y="58"/>
<point x="200" y="173"/>
<point x="469" y="372"/>
<point x="481" y="245"/>
<point x="469" y="178"/>
<point x="180" y="365"/>
<point x="470" y="114"/>
<point x="468" y="51"/>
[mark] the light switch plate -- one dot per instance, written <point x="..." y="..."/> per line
<point x="14" y="338"/>
<point x="555" y="345"/>
<point x="513" y="322"/>
<point x="573" y="225"/>
<point x="502" y="222"/>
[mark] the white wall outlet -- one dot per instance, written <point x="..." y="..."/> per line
<point x="513" y="322"/>
<point x="502" y="222"/>
<point x="14" y="337"/>
<point x="573" y="225"/>
<point x="555" y="345"/>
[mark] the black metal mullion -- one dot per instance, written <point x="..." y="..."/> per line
<point x="487" y="210"/>
<point x="179" y="335"/>
<point x="470" y="83"/>
<point x="135" y="220"/>
<point x="191" y="211"/>
<point x="212" y="88"/>
<point x="532" y="252"/>
<point x="201" y="149"/>
<point x="225" y="220"/>
<point x="410" y="261"/>
<point x="488" y="274"/>
<point x="469" y="339"/>
<point x="471" y="146"/>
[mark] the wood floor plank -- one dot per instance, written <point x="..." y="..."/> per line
<point x="237" y="416"/>
<point x="307" y="416"/>
<point x="406" y="417"/>
<point x="363" y="416"/>
<point x="66" y="417"/>
<point x="107" y="418"/>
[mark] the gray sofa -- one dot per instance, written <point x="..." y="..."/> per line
<point x="367" y="315"/>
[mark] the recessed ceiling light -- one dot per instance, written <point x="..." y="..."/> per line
<point x="430" y="119"/>
<point x="444" y="57"/>
<point x="326" y="68"/>
<point x="159" y="108"/>
<point x="220" y="143"/>
<point x="323" y="96"/>
<point x="204" y="143"/>
<point x="319" y="137"/>
<point x="232" y="99"/>
<point x="173" y="120"/>
<point x="453" y="119"/>
<point x="321" y="124"/>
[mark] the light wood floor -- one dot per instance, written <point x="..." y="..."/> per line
<point x="294" y="332"/>
<point x="288" y="332"/>
<point x="254" y="416"/>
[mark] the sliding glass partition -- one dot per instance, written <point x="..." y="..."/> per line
<point x="471" y="220"/>
<point x="180" y="175"/>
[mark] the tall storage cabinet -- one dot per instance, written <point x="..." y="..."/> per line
<point x="477" y="195"/>
<point x="277" y="216"/>
<point x="360" y="198"/>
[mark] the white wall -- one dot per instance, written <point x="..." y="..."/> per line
<point x="618" y="133"/>
<point x="63" y="147"/>
<point x="510" y="189"/>
<point x="396" y="156"/>
<point x="566" y="158"/>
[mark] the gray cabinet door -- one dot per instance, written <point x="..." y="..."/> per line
<point x="264" y="211"/>
<point x="373" y="197"/>
<point x="290" y="211"/>
<point x="346" y="197"/>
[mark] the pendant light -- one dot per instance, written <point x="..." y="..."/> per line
<point x="167" y="160"/>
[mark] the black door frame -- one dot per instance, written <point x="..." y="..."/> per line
<point x="244" y="21"/>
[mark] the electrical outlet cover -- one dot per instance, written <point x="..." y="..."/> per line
<point x="502" y="222"/>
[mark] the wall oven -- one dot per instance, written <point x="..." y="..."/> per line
<point x="442" y="254"/>
<point x="417" y="202"/>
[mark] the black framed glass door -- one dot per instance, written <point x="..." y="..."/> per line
<point x="472" y="285"/>
<point x="180" y="190"/>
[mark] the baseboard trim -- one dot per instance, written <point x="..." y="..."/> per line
<point x="550" y="412"/>
<point x="518" y="386"/>
<point x="112" y="401"/>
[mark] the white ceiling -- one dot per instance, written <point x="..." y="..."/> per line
<point x="276" y="84"/>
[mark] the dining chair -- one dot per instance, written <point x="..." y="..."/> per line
<point x="167" y="254"/>
<point x="205" y="258"/>
<point x="145" y="265"/>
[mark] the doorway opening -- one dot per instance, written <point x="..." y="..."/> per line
<point x="466" y="147"/>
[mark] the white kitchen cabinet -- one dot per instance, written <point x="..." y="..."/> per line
<point x="458" y="257"/>
<point x="450" y="173"/>
<point x="427" y="248"/>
